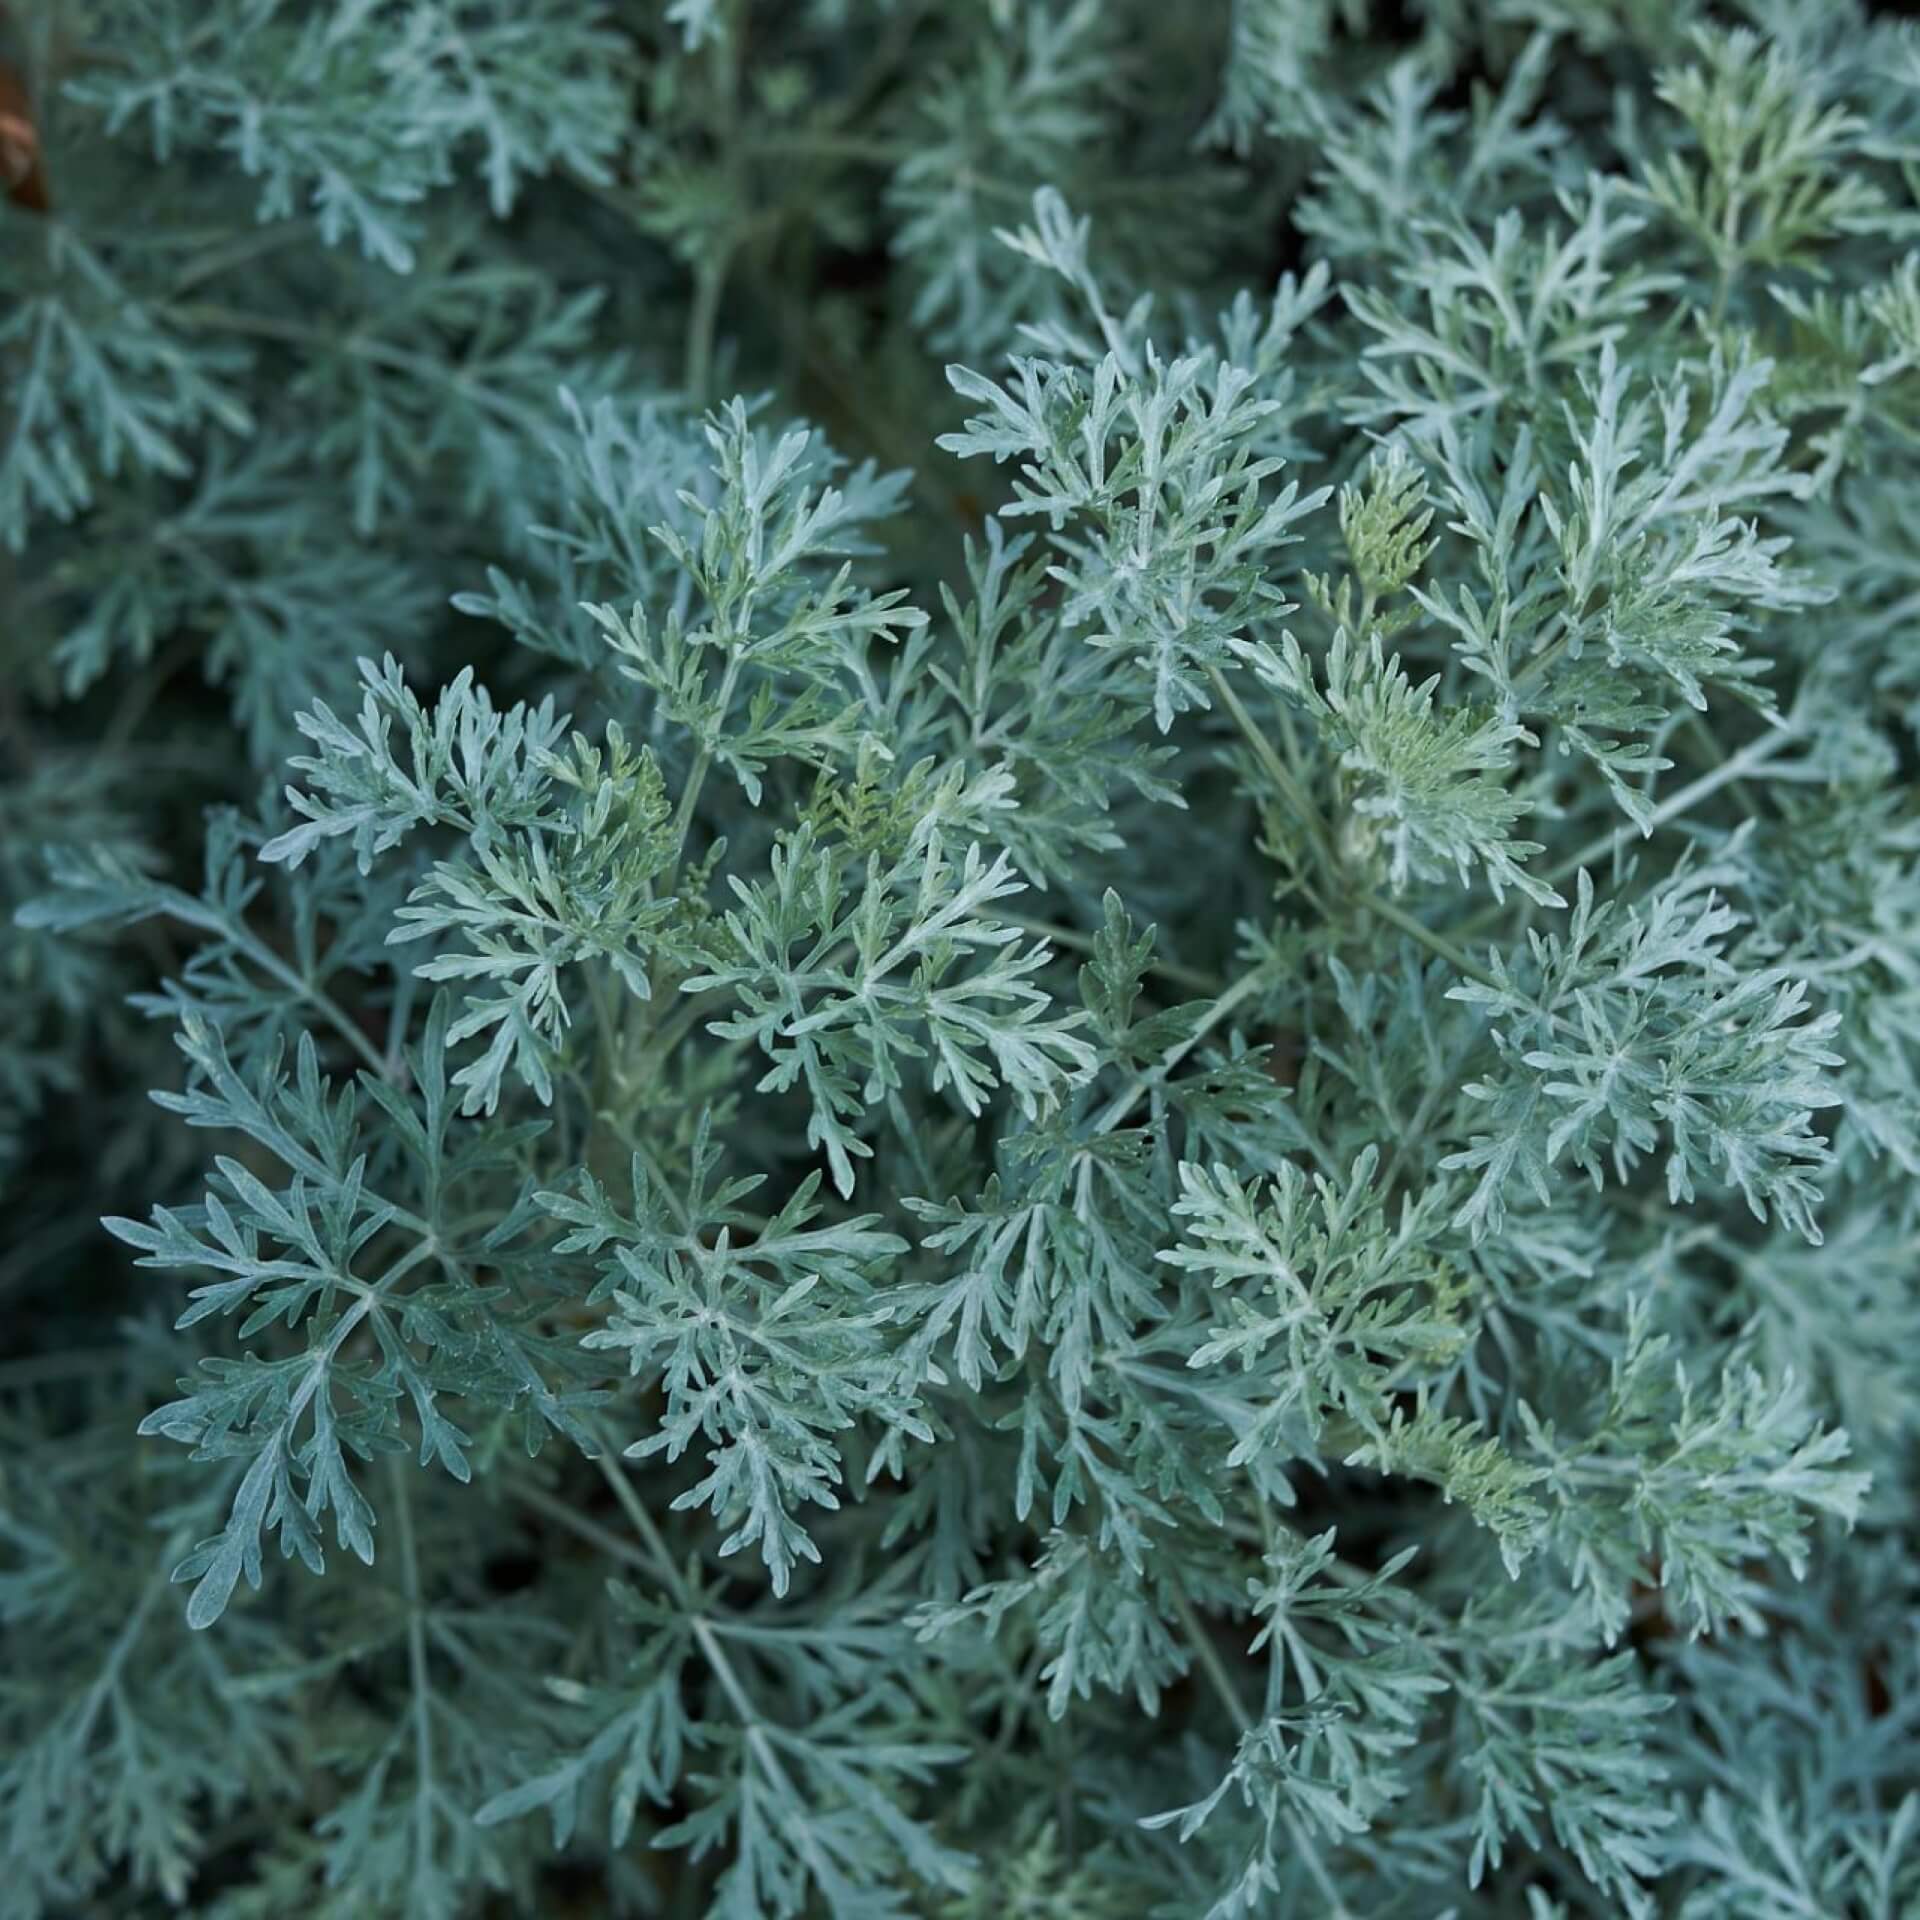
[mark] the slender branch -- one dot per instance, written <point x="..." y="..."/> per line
<point x="1276" y="770"/>
<point x="128" y="1638"/>
<point x="753" y="1722"/>
<point x="1121" y="1104"/>
<point x="421" y="1680"/>
<point x="1201" y="1641"/>
<point x="608" y="1542"/>
<point x="1321" y="840"/>
<point x="318" y="999"/>
<point x="1605" y="845"/>
<point x="1455" y="956"/>
<point x="702" y="765"/>
<point x="664" y="1565"/>
<point x="1085" y="943"/>
<point x="447" y="374"/>
<point x="709" y="285"/>
<point x="1755" y="754"/>
<point x="70" y="1363"/>
<point x="195" y="913"/>
<point x="1223" y="1685"/>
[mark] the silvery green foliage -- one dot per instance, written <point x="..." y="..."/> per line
<point x="1025" y="897"/>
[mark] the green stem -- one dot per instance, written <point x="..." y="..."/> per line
<point x="829" y="146"/>
<point x="322" y="1003"/>
<point x="1321" y="841"/>
<point x="1086" y="942"/>
<point x="1201" y="1641"/>
<point x="378" y="353"/>
<point x="70" y="1364"/>
<point x="1277" y="771"/>
<point x="752" y="1721"/>
<point x="608" y="1542"/>
<point x="1121" y="1104"/>
<point x="423" y="1787"/>
<point x="709" y="284"/>
<point x="1438" y="943"/>
<point x="1729" y="260"/>
<point x="697" y="777"/>
<point x="129" y="1636"/>
<point x="1755" y="754"/>
<point x="661" y="1559"/>
<point x="692" y="1009"/>
<point x="1222" y="1682"/>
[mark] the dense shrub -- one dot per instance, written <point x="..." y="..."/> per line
<point x="1107" y="1111"/>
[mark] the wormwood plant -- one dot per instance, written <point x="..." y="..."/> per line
<point x="1028" y="903"/>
